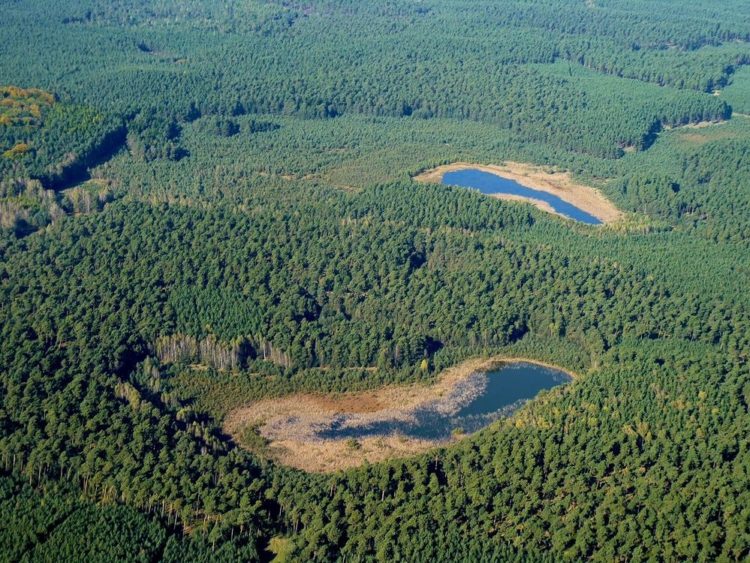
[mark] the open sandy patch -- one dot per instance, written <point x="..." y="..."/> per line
<point x="560" y="184"/>
<point x="290" y="425"/>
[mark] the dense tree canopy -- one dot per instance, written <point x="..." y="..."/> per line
<point x="203" y="204"/>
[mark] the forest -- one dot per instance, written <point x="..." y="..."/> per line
<point x="204" y="204"/>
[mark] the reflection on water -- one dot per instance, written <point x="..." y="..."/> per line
<point x="491" y="184"/>
<point x="475" y="402"/>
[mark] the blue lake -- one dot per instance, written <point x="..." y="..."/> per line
<point x="474" y="403"/>
<point x="492" y="184"/>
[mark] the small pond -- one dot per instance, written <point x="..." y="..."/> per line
<point x="492" y="184"/>
<point x="472" y="404"/>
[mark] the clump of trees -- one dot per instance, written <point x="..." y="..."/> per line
<point x="234" y="355"/>
<point x="45" y="146"/>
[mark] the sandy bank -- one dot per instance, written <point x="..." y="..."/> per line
<point x="560" y="184"/>
<point x="290" y="424"/>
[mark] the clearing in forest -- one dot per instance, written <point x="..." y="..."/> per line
<point x="559" y="184"/>
<point x="295" y="430"/>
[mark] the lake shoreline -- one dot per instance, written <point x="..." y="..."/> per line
<point x="559" y="184"/>
<point x="291" y="424"/>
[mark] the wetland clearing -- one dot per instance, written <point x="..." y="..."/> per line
<point x="553" y="192"/>
<point x="323" y="433"/>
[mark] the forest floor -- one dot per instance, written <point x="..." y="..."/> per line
<point x="560" y="184"/>
<point x="291" y="424"/>
<point x="697" y="125"/>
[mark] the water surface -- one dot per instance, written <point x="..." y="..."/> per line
<point x="472" y="404"/>
<point x="492" y="184"/>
